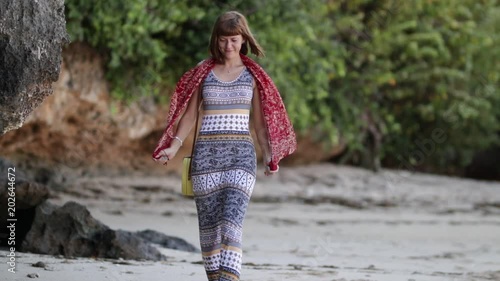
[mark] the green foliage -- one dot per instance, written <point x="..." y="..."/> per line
<point x="348" y="70"/>
<point x="302" y="61"/>
<point x="134" y="35"/>
<point x="417" y="66"/>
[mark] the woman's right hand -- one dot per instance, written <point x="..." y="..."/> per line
<point x="270" y="169"/>
<point x="168" y="153"/>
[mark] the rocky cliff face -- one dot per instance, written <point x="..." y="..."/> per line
<point x="32" y="34"/>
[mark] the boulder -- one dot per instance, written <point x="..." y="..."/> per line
<point x="71" y="231"/>
<point x="124" y="244"/>
<point x="166" y="241"/>
<point x="32" y="34"/>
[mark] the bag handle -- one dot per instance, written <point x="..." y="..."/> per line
<point x="194" y="138"/>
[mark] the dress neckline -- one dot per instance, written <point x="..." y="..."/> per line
<point x="235" y="79"/>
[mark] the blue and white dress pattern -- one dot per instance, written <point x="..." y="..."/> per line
<point x="223" y="172"/>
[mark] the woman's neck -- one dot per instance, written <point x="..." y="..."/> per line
<point x="231" y="63"/>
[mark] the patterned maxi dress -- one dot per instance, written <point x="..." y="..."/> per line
<point x="223" y="172"/>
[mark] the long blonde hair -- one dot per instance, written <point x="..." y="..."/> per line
<point x="229" y="24"/>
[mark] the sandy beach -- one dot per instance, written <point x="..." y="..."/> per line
<point x="321" y="222"/>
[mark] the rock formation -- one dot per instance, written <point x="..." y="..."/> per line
<point x="71" y="231"/>
<point x="32" y="34"/>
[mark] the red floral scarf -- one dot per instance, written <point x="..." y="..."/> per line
<point x="282" y="140"/>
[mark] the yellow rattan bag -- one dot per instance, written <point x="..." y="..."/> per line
<point x="187" y="185"/>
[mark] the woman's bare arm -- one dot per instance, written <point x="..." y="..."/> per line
<point x="188" y="119"/>
<point x="185" y="126"/>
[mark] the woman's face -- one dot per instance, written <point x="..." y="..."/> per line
<point x="230" y="45"/>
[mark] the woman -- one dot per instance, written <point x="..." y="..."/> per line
<point x="228" y="85"/>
